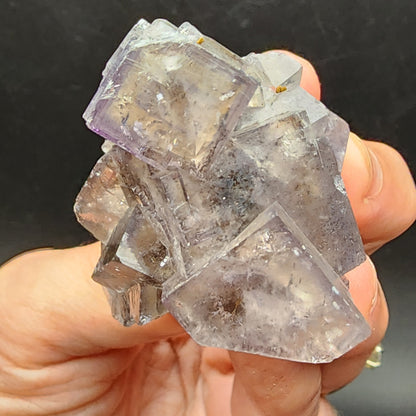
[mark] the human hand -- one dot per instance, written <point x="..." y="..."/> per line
<point x="62" y="353"/>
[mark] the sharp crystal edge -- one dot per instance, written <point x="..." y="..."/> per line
<point x="219" y="198"/>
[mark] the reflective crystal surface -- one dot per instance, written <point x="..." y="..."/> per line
<point x="271" y="294"/>
<point x="150" y="102"/>
<point x="219" y="198"/>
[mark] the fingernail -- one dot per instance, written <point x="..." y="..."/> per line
<point x="372" y="164"/>
<point x="376" y="287"/>
<point x="377" y="175"/>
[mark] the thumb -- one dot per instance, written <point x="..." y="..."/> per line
<point x="269" y="386"/>
<point x="53" y="303"/>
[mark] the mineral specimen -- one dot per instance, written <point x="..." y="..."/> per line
<point x="219" y="198"/>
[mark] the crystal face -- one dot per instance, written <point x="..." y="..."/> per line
<point x="219" y="198"/>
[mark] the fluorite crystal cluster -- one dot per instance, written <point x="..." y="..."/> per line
<point x="219" y="197"/>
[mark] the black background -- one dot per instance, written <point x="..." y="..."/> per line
<point x="51" y="56"/>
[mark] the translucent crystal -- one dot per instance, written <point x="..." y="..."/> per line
<point x="298" y="168"/>
<point x="255" y="298"/>
<point x="135" y="245"/>
<point x="132" y="270"/>
<point x="139" y="304"/>
<point x="219" y="198"/>
<point x="103" y="200"/>
<point x="280" y="68"/>
<point x="292" y="99"/>
<point x="168" y="100"/>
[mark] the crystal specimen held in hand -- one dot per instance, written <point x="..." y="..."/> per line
<point x="219" y="198"/>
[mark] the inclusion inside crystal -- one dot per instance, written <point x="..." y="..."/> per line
<point x="219" y="198"/>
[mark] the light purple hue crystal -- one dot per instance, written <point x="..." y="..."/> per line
<point x="256" y="297"/>
<point x="168" y="102"/>
<point x="220" y="198"/>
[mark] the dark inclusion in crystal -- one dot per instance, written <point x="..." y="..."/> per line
<point x="219" y="198"/>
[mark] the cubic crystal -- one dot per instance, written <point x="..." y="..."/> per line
<point x="219" y="198"/>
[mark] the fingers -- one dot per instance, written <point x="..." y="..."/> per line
<point x="368" y="296"/>
<point x="269" y="386"/>
<point x="378" y="182"/>
<point x="383" y="197"/>
<point x="381" y="191"/>
<point x="265" y="386"/>
<point x="325" y="409"/>
<point x="54" y="304"/>
<point x="217" y="375"/>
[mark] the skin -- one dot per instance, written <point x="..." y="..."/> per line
<point x="61" y="352"/>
